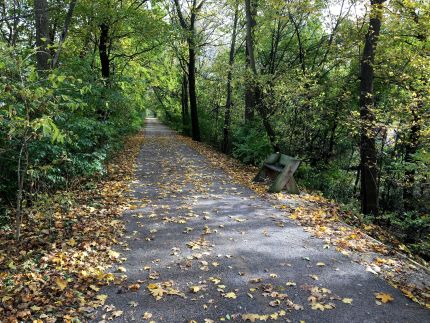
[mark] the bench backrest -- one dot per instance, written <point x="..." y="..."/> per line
<point x="272" y="159"/>
<point x="281" y="159"/>
<point x="285" y="160"/>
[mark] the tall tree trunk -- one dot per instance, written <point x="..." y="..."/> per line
<point x="228" y="103"/>
<point x="42" y="34"/>
<point x="195" y="129"/>
<point x="184" y="101"/>
<point x="250" y="87"/>
<point x="189" y="28"/>
<point x="253" y="99"/>
<point x="64" y="32"/>
<point x="369" y="172"/>
<point x="103" y="51"/>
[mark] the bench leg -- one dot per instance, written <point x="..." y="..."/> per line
<point x="280" y="181"/>
<point x="260" y="176"/>
<point x="285" y="177"/>
<point x="291" y="186"/>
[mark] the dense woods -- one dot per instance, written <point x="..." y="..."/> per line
<point x="342" y="85"/>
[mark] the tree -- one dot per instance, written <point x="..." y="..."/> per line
<point x="190" y="30"/>
<point x="253" y="95"/>
<point x="103" y="50"/>
<point x="64" y="32"/>
<point x="251" y="90"/>
<point x="228" y="103"/>
<point x="368" y="156"/>
<point x="42" y="34"/>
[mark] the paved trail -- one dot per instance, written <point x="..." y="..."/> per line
<point x="183" y="200"/>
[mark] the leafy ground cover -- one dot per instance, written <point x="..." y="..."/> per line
<point x="60" y="262"/>
<point x="58" y="273"/>
<point x="366" y="243"/>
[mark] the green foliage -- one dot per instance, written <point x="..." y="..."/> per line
<point x="412" y="227"/>
<point x="251" y="144"/>
<point x="334" y="182"/>
<point x="59" y="128"/>
<point x="307" y="77"/>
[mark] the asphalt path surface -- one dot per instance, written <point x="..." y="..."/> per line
<point x="228" y="253"/>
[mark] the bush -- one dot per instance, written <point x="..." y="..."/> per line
<point x="251" y="144"/>
<point x="59" y="128"/>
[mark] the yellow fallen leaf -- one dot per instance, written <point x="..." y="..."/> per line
<point x="252" y="317"/>
<point x="195" y="289"/>
<point x="6" y="298"/>
<point x="71" y="242"/>
<point x="318" y="306"/>
<point x="384" y="297"/>
<point x="147" y="315"/>
<point x="347" y="300"/>
<point x="230" y="295"/>
<point x="94" y="288"/>
<point x="113" y="254"/>
<point x="102" y="298"/>
<point x="156" y="291"/>
<point x="61" y="283"/>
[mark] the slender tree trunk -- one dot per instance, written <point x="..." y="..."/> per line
<point x="195" y="129"/>
<point x="21" y="172"/>
<point x="369" y="172"/>
<point x="185" y="108"/>
<point x="103" y="52"/>
<point x="189" y="28"/>
<point x="42" y="34"/>
<point x="228" y="103"/>
<point x="250" y="90"/>
<point x="253" y="99"/>
<point x="64" y="32"/>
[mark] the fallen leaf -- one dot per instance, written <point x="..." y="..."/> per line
<point x="230" y="295"/>
<point x="117" y="313"/>
<point x="134" y="287"/>
<point x="384" y="297"/>
<point x="121" y="269"/>
<point x="61" y="283"/>
<point x="147" y="315"/>
<point x="347" y="300"/>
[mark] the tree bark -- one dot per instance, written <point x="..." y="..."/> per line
<point x="228" y="103"/>
<point x="42" y="34"/>
<point x="191" y="35"/>
<point x="184" y="101"/>
<point x="195" y="129"/>
<point x="253" y="99"/>
<point x="103" y="52"/>
<point x="369" y="172"/>
<point x="64" y="32"/>
<point x="250" y="87"/>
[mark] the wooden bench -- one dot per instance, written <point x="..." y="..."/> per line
<point x="281" y="168"/>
